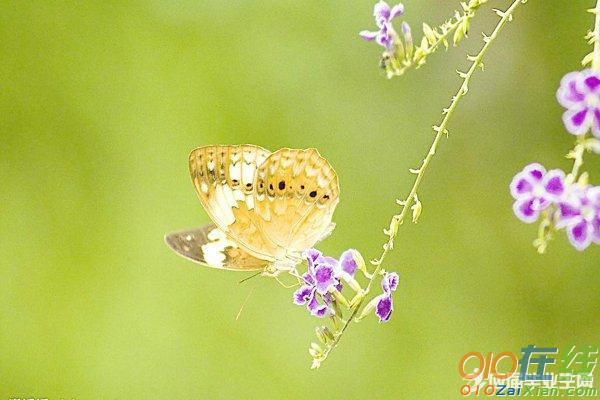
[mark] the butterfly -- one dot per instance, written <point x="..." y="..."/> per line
<point x="266" y="208"/>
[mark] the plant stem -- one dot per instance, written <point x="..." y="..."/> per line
<point x="440" y="130"/>
<point x="577" y="154"/>
<point x="596" y="57"/>
<point x="447" y="28"/>
<point x="444" y="37"/>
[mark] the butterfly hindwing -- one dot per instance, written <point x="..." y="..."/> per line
<point x="210" y="246"/>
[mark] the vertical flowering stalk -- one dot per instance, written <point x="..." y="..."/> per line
<point x="574" y="205"/>
<point x="331" y="282"/>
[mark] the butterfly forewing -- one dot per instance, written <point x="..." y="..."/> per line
<point x="224" y="180"/>
<point x="296" y="192"/>
<point x="210" y="246"/>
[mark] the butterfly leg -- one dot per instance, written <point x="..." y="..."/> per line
<point x="284" y="285"/>
<point x="271" y="271"/>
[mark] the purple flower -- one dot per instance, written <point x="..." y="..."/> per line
<point x="318" y="280"/>
<point x="307" y="295"/>
<point x="579" y="213"/>
<point x="534" y="189"/>
<point x="579" y="93"/>
<point x="389" y="283"/>
<point x="321" y="271"/>
<point x="384" y="303"/>
<point x="384" y="308"/>
<point x="384" y="14"/>
<point x="347" y="264"/>
<point x="383" y="17"/>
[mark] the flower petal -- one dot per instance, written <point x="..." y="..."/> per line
<point x="593" y="194"/>
<point x="580" y="235"/>
<point x="309" y="279"/>
<point x="577" y="120"/>
<point x="397" y="10"/>
<point x="303" y="295"/>
<point x="328" y="260"/>
<point x="568" y="214"/>
<point x="591" y="81"/>
<point x="596" y="230"/>
<point x="348" y="263"/>
<point x="311" y="255"/>
<point x="520" y="185"/>
<point x="381" y="12"/>
<point x="320" y="311"/>
<point x="313" y="303"/>
<point x="553" y="183"/>
<point x="384" y="307"/>
<point x="324" y="276"/>
<point x="569" y="94"/>
<point x="389" y="283"/>
<point x="383" y="38"/>
<point x="525" y="209"/>
<point x="596" y="122"/>
<point x="317" y="309"/>
<point x="368" y="35"/>
<point x="535" y="171"/>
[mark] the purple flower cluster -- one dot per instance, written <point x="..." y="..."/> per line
<point x="579" y="93"/>
<point x="579" y="213"/>
<point x="323" y="276"/>
<point x="384" y="14"/>
<point x="575" y="208"/>
<point x="569" y="205"/>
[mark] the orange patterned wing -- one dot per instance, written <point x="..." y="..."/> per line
<point x="296" y="192"/>
<point x="224" y="177"/>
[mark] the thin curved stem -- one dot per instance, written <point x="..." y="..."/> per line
<point x="596" y="33"/>
<point x="442" y="128"/>
<point x="577" y="155"/>
<point x="397" y="220"/>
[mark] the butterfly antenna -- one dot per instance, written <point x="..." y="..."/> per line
<point x="250" y="277"/>
<point x="237" y="317"/>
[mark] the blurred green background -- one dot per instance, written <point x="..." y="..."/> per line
<point x="101" y="103"/>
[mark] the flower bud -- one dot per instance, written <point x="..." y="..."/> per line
<point x="320" y="335"/>
<point x="316" y="363"/>
<point x="416" y="208"/>
<point x="339" y="298"/>
<point x="429" y="34"/>
<point x="583" y="179"/>
<point x="315" y="350"/>
<point x="408" y="40"/>
<point x="459" y="33"/>
<point x="368" y="308"/>
<point x="593" y="145"/>
<point x="324" y="335"/>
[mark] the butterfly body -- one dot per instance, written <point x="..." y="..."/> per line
<point x="266" y="207"/>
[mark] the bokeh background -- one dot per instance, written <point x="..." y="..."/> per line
<point x="101" y="103"/>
